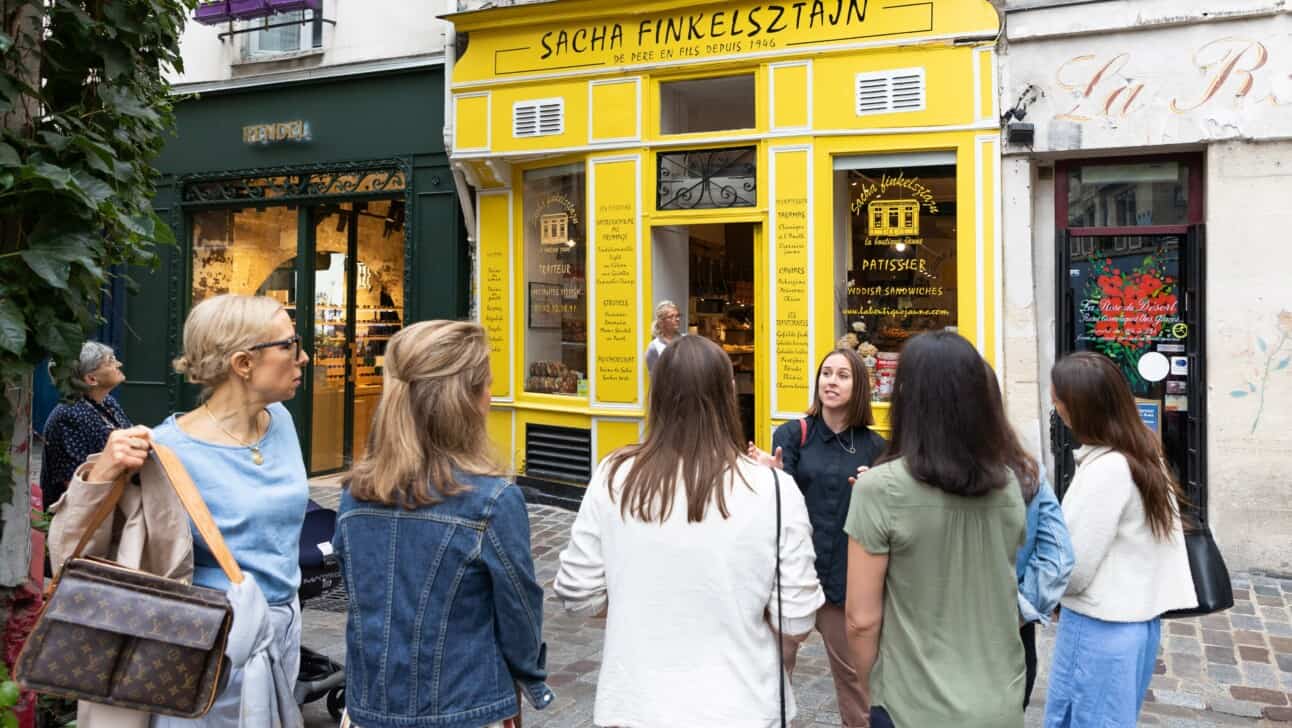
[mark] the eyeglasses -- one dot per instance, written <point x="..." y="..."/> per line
<point x="294" y="342"/>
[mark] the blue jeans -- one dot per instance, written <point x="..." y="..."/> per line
<point x="1101" y="671"/>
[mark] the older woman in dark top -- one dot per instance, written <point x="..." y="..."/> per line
<point x="78" y="429"/>
<point x="824" y="451"/>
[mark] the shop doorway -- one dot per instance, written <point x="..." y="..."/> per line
<point x="709" y="271"/>
<point x="358" y="307"/>
<point x="1131" y="286"/>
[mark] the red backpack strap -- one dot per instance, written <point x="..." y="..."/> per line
<point x="802" y="432"/>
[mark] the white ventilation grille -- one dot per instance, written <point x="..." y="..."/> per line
<point x="886" y="92"/>
<point x="543" y="117"/>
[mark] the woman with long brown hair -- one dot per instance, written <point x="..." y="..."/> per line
<point x="823" y="452"/>
<point x="1123" y="513"/>
<point x="935" y="528"/>
<point x="676" y="541"/>
<point x="446" y="616"/>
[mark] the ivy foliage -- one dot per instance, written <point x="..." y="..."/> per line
<point x="85" y="109"/>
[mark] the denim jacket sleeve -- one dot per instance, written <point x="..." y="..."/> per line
<point x="517" y="595"/>
<point x="1046" y="559"/>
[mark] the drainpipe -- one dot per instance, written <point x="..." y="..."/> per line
<point x="459" y="180"/>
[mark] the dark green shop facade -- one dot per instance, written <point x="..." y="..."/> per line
<point x="334" y="197"/>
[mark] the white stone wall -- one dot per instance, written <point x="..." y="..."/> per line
<point x="1153" y="76"/>
<point x="1249" y="335"/>
<point x="366" y="31"/>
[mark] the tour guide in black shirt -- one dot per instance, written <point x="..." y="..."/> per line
<point x="823" y="452"/>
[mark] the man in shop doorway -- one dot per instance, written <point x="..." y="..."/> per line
<point x="668" y="319"/>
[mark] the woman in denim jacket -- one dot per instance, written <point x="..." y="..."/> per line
<point x="1045" y="561"/>
<point x="445" y="614"/>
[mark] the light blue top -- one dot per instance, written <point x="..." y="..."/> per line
<point x="259" y="509"/>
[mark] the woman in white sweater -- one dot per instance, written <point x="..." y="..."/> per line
<point x="1122" y="510"/>
<point x="676" y="544"/>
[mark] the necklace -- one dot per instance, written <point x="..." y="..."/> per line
<point x="851" y="447"/>
<point x="256" y="457"/>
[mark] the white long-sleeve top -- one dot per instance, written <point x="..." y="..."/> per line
<point x="1123" y="573"/>
<point x="692" y="606"/>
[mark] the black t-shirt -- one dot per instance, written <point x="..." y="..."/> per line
<point x="821" y="467"/>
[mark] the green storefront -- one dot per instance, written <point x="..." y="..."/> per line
<point x="333" y="196"/>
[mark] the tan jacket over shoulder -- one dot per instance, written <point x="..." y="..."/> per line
<point x="149" y="532"/>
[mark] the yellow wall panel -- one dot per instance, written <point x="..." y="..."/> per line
<point x="615" y="112"/>
<point x="617" y="338"/>
<point x="500" y="426"/>
<point x="496" y="308"/>
<point x="790" y="241"/>
<point x="987" y="87"/>
<point x="575" y="98"/>
<point x="789" y="95"/>
<point x="614" y="434"/>
<point x="471" y="122"/>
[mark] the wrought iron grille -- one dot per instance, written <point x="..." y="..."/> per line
<point x="696" y="179"/>
<point x="296" y="185"/>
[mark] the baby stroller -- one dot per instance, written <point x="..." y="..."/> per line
<point x="321" y="587"/>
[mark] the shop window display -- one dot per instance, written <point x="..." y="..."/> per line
<point x="556" y="333"/>
<point x="899" y="251"/>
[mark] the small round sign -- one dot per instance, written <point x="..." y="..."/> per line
<point x="1154" y="367"/>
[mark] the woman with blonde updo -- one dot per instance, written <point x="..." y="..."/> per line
<point x="446" y="615"/>
<point x="665" y="329"/>
<point x="241" y="450"/>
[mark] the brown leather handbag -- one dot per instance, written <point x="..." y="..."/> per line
<point x="122" y="637"/>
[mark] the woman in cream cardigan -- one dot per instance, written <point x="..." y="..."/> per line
<point x="1122" y="510"/>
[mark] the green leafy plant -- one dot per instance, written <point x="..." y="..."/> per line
<point x="10" y="694"/>
<point x="85" y="110"/>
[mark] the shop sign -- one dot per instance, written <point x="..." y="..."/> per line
<point x="1125" y="312"/>
<point x="730" y="29"/>
<point x="1172" y="86"/>
<point x="556" y="214"/>
<point x="894" y="221"/>
<point x="283" y="131"/>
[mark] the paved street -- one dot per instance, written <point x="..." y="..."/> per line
<point x="1233" y="669"/>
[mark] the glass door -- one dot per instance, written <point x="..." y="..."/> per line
<point x="358" y="306"/>
<point x="1137" y="300"/>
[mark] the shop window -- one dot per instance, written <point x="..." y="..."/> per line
<point x="696" y="179"/>
<point x="1128" y="195"/>
<point x="897" y="233"/>
<point x="248" y="251"/>
<point x="556" y="317"/>
<point x="707" y="104"/>
<point x="285" y="33"/>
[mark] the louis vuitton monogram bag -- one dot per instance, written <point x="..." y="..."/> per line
<point x="114" y="635"/>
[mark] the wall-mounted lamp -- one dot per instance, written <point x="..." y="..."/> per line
<point x="1020" y="133"/>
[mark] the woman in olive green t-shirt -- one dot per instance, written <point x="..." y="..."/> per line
<point x="934" y="530"/>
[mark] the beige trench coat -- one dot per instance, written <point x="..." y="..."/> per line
<point x="149" y="531"/>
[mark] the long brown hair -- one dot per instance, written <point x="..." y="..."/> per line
<point x="947" y="426"/>
<point x="693" y="424"/>
<point x="859" y="413"/>
<point x="428" y="422"/>
<point x="1101" y="411"/>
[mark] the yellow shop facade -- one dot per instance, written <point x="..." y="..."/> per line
<point x="790" y="175"/>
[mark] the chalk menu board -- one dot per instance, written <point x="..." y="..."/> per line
<point x="615" y="242"/>
<point x="790" y="240"/>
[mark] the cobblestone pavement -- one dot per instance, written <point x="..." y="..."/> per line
<point x="1232" y="669"/>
